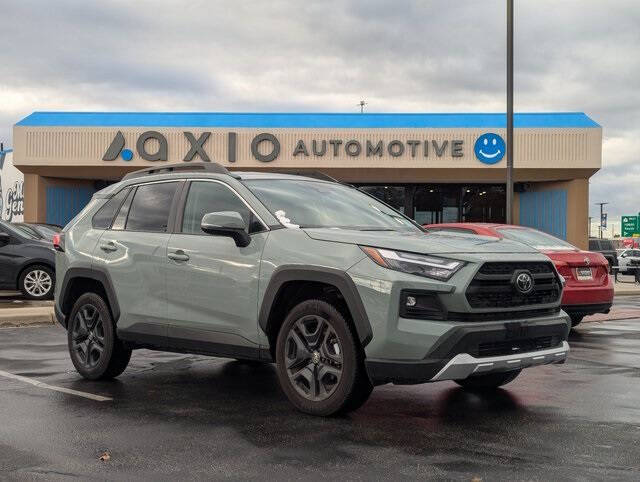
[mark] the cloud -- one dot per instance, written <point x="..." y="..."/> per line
<point x="286" y="55"/>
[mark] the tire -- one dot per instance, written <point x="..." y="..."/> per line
<point x="488" y="381"/>
<point x="328" y="375"/>
<point x="37" y="282"/>
<point x="91" y="332"/>
<point x="576" y="319"/>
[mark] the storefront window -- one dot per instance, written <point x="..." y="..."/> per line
<point x="483" y="204"/>
<point x="394" y="196"/>
<point x="444" y="203"/>
<point x="436" y="204"/>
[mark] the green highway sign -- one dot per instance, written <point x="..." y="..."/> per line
<point x="629" y="226"/>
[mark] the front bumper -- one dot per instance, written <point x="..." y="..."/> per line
<point x="464" y="365"/>
<point x="470" y="349"/>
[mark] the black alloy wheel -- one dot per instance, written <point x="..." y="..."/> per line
<point x="313" y="358"/>
<point x="87" y="338"/>
<point x="96" y="351"/>
<point x="319" y="360"/>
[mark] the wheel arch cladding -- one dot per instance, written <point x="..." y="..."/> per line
<point x="284" y="275"/>
<point x="78" y="281"/>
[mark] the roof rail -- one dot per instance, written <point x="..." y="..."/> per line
<point x="213" y="167"/>
<point x="313" y="174"/>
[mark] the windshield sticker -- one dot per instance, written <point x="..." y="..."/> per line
<point x="282" y="217"/>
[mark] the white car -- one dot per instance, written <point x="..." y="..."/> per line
<point x="628" y="258"/>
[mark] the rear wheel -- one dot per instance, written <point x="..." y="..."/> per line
<point x="95" y="350"/>
<point x="576" y="319"/>
<point x="488" y="381"/>
<point x="319" y="362"/>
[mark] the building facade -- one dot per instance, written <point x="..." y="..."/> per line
<point x="433" y="167"/>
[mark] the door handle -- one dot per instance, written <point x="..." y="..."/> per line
<point x="109" y="247"/>
<point x="178" y="256"/>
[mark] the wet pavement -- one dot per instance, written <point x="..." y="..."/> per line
<point x="185" y="417"/>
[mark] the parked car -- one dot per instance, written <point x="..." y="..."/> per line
<point x="27" y="263"/>
<point x="41" y="231"/>
<point x="628" y="260"/>
<point x="606" y="247"/>
<point x="337" y="288"/>
<point x="588" y="289"/>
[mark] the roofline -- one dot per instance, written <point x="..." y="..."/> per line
<point x="307" y="119"/>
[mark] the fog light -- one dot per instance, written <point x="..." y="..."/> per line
<point x="411" y="301"/>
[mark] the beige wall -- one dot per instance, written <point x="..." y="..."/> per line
<point x="575" y="148"/>
<point x="558" y="158"/>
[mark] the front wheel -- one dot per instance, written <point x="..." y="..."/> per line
<point x="488" y="381"/>
<point x="37" y="282"/>
<point x="95" y="350"/>
<point x="319" y="362"/>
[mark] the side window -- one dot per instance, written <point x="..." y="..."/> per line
<point x="150" y="207"/>
<point x="121" y="218"/>
<point x="103" y="218"/>
<point x="210" y="197"/>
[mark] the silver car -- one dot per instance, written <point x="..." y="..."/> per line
<point x="338" y="289"/>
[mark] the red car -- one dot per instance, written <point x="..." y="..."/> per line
<point x="588" y="289"/>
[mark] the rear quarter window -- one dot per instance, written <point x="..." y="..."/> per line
<point x="104" y="217"/>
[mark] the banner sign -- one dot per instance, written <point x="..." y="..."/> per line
<point x="11" y="189"/>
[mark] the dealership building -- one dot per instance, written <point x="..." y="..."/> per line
<point x="433" y="167"/>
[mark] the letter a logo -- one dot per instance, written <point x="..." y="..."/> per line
<point x="116" y="148"/>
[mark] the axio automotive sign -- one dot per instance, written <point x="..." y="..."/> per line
<point x="11" y="189"/>
<point x="266" y="147"/>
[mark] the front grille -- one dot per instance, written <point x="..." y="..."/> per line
<point x="493" y="286"/>
<point x="512" y="347"/>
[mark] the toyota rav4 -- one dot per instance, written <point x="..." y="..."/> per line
<point x="341" y="291"/>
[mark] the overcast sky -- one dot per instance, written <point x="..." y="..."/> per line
<point x="292" y="55"/>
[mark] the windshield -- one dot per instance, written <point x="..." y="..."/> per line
<point x="537" y="239"/>
<point x="312" y="204"/>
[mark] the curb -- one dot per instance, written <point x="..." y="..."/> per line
<point x="627" y="293"/>
<point x="11" y="317"/>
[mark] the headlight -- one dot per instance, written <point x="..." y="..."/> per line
<point x="418" y="264"/>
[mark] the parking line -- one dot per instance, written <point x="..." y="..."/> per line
<point x="36" y="383"/>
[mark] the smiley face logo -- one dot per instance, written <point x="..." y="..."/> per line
<point x="489" y="148"/>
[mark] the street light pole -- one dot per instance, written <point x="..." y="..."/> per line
<point x="509" y="112"/>
<point x="601" y="212"/>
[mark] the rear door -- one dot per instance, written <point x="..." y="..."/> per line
<point x="212" y="283"/>
<point x="133" y="252"/>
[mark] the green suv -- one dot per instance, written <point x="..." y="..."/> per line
<point x="341" y="291"/>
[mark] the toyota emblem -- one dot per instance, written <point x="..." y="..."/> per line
<point x="524" y="283"/>
<point x="587" y="261"/>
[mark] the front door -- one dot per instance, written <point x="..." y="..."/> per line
<point x="212" y="283"/>
<point x="10" y="260"/>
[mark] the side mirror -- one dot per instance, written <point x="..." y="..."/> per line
<point x="226" y="223"/>
<point x="4" y="239"/>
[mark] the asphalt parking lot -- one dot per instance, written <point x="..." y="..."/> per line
<point x="191" y="417"/>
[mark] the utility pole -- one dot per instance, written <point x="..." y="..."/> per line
<point x="509" y="111"/>
<point x="362" y="103"/>
<point x="601" y="212"/>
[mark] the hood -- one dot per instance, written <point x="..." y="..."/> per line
<point x="418" y="242"/>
